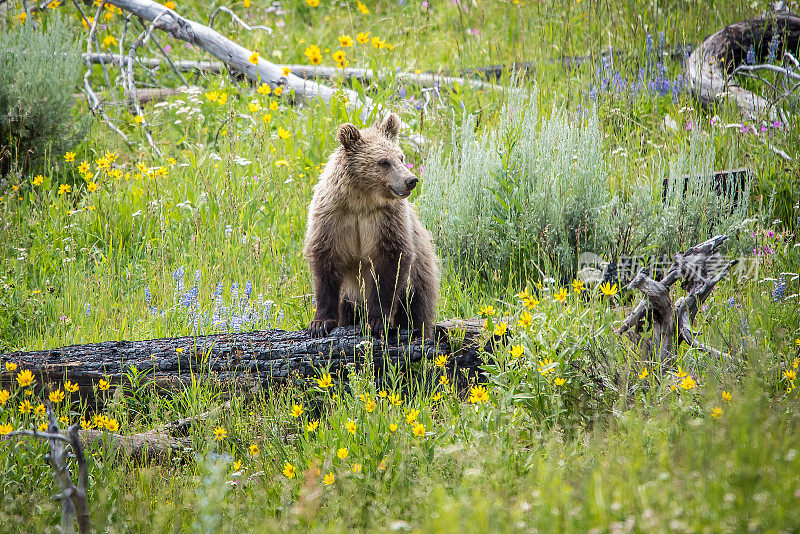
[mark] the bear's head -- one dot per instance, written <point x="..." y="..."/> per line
<point x="373" y="160"/>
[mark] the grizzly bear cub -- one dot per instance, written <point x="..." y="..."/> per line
<point x="367" y="249"/>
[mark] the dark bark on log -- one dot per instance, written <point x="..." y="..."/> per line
<point x="701" y="268"/>
<point x="242" y="360"/>
<point x="709" y="67"/>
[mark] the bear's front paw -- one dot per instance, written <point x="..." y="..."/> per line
<point x="321" y="327"/>
<point x="378" y="327"/>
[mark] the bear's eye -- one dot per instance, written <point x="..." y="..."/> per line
<point x="384" y="163"/>
<point x="402" y="157"/>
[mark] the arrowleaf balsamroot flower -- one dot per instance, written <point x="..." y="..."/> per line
<point x="525" y="319"/>
<point x="253" y="58"/>
<point x="411" y="416"/>
<point x="329" y="478"/>
<point x="487" y="311"/>
<point x="351" y="426"/>
<point x="362" y="37"/>
<point x="688" y="383"/>
<point x="56" y="396"/>
<point x="516" y="351"/>
<point x="561" y="295"/>
<point x="345" y="40"/>
<point x="370" y="405"/>
<point x="364" y="9"/>
<point x="11" y="367"/>
<point x="288" y="470"/>
<point x="6" y="429"/>
<point x="103" y="384"/>
<point x="326" y="381"/>
<point x="530" y="303"/>
<point x="264" y="89"/>
<point x="726" y="396"/>
<point x="441" y="360"/>
<point x="25" y="406"/>
<point x="395" y="399"/>
<point x="608" y="290"/>
<point x="644" y="374"/>
<point x="69" y="386"/>
<point x="38" y="179"/>
<point x="220" y="433"/>
<point x="716" y="412"/>
<point x="342" y="453"/>
<point x="4" y="396"/>
<point x="577" y="286"/>
<point x="790" y="374"/>
<point x="69" y="157"/>
<point x="559" y="381"/>
<point x="297" y="410"/>
<point x="419" y="430"/>
<point x="312" y="426"/>
<point x="500" y="329"/>
<point x="393" y="427"/>
<point x="478" y="395"/>
<point x="254" y="450"/>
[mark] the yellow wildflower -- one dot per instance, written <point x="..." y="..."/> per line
<point x="25" y="406"/>
<point x="345" y="40"/>
<point x="297" y="410"/>
<point x="11" y="367"/>
<point x="109" y="41"/>
<point x="478" y="395"/>
<point x="382" y="393"/>
<point x="351" y="426"/>
<point x="559" y="381"/>
<point x="4" y="396"/>
<point x="92" y="187"/>
<point x="362" y="37"/>
<point x="531" y="303"/>
<point x="545" y="366"/>
<point x="444" y="381"/>
<point x="395" y="399"/>
<point x="500" y="329"/>
<point x="329" y="478"/>
<point x="441" y="360"/>
<point x="356" y="468"/>
<point x="283" y="134"/>
<point x="285" y="71"/>
<point x="525" y="319"/>
<point x="681" y="373"/>
<point x="393" y="427"/>
<point x="254" y="106"/>
<point x="342" y="453"/>
<point x="411" y="415"/>
<point x="561" y="295"/>
<point x="314" y="54"/>
<point x="169" y="4"/>
<point x="69" y="386"/>
<point x="220" y="433"/>
<point x="103" y="384"/>
<point x="644" y="374"/>
<point x="266" y="118"/>
<point x="716" y="412"/>
<point x="288" y="469"/>
<point x="790" y="374"/>
<point x="25" y="378"/>
<point x="278" y="90"/>
<point x="254" y="449"/>
<point x="6" y="429"/>
<point x="688" y="383"/>
<point x="487" y="311"/>
<point x="223" y="97"/>
<point x="56" y="396"/>
<point x="69" y="157"/>
<point x="237" y="465"/>
<point x="516" y="351"/>
<point x="273" y="106"/>
<point x="364" y="9"/>
<point x="726" y="396"/>
<point x="253" y="58"/>
<point x="40" y="409"/>
<point x="112" y="425"/>
<point x="264" y="89"/>
<point x="64" y="188"/>
<point x="577" y="286"/>
<point x="419" y="430"/>
<point x="608" y="289"/>
<point x="312" y="3"/>
<point x="370" y="405"/>
<point x="326" y="381"/>
<point x="312" y="426"/>
<point x="38" y="179"/>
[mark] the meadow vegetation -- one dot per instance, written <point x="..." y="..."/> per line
<point x="573" y="428"/>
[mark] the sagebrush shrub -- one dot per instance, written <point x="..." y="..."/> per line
<point x="538" y="189"/>
<point x="40" y="68"/>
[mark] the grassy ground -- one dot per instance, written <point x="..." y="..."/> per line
<point x="711" y="445"/>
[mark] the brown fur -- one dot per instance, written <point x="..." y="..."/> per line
<point x="366" y="247"/>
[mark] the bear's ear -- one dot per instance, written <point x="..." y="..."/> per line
<point x="348" y="135"/>
<point x="390" y="126"/>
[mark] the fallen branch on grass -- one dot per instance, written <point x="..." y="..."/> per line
<point x="701" y="268"/>
<point x="73" y="498"/>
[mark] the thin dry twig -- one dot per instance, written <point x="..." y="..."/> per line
<point x="236" y="19"/>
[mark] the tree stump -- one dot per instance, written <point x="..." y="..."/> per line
<point x="701" y="268"/>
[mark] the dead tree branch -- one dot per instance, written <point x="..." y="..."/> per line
<point x="701" y="268"/>
<point x="236" y="19"/>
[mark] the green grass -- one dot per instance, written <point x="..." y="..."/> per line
<point x="604" y="449"/>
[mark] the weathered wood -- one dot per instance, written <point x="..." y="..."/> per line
<point x="701" y="267"/>
<point x="237" y="56"/>
<point x="242" y="360"/>
<point x="709" y="67"/>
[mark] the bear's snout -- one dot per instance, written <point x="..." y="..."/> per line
<point x="411" y="183"/>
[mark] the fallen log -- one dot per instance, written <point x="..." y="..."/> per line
<point x="701" y="267"/>
<point x="245" y="360"/>
<point x="710" y="66"/>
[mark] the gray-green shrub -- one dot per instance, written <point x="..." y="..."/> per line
<point x="40" y="68"/>
<point x="538" y="189"/>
